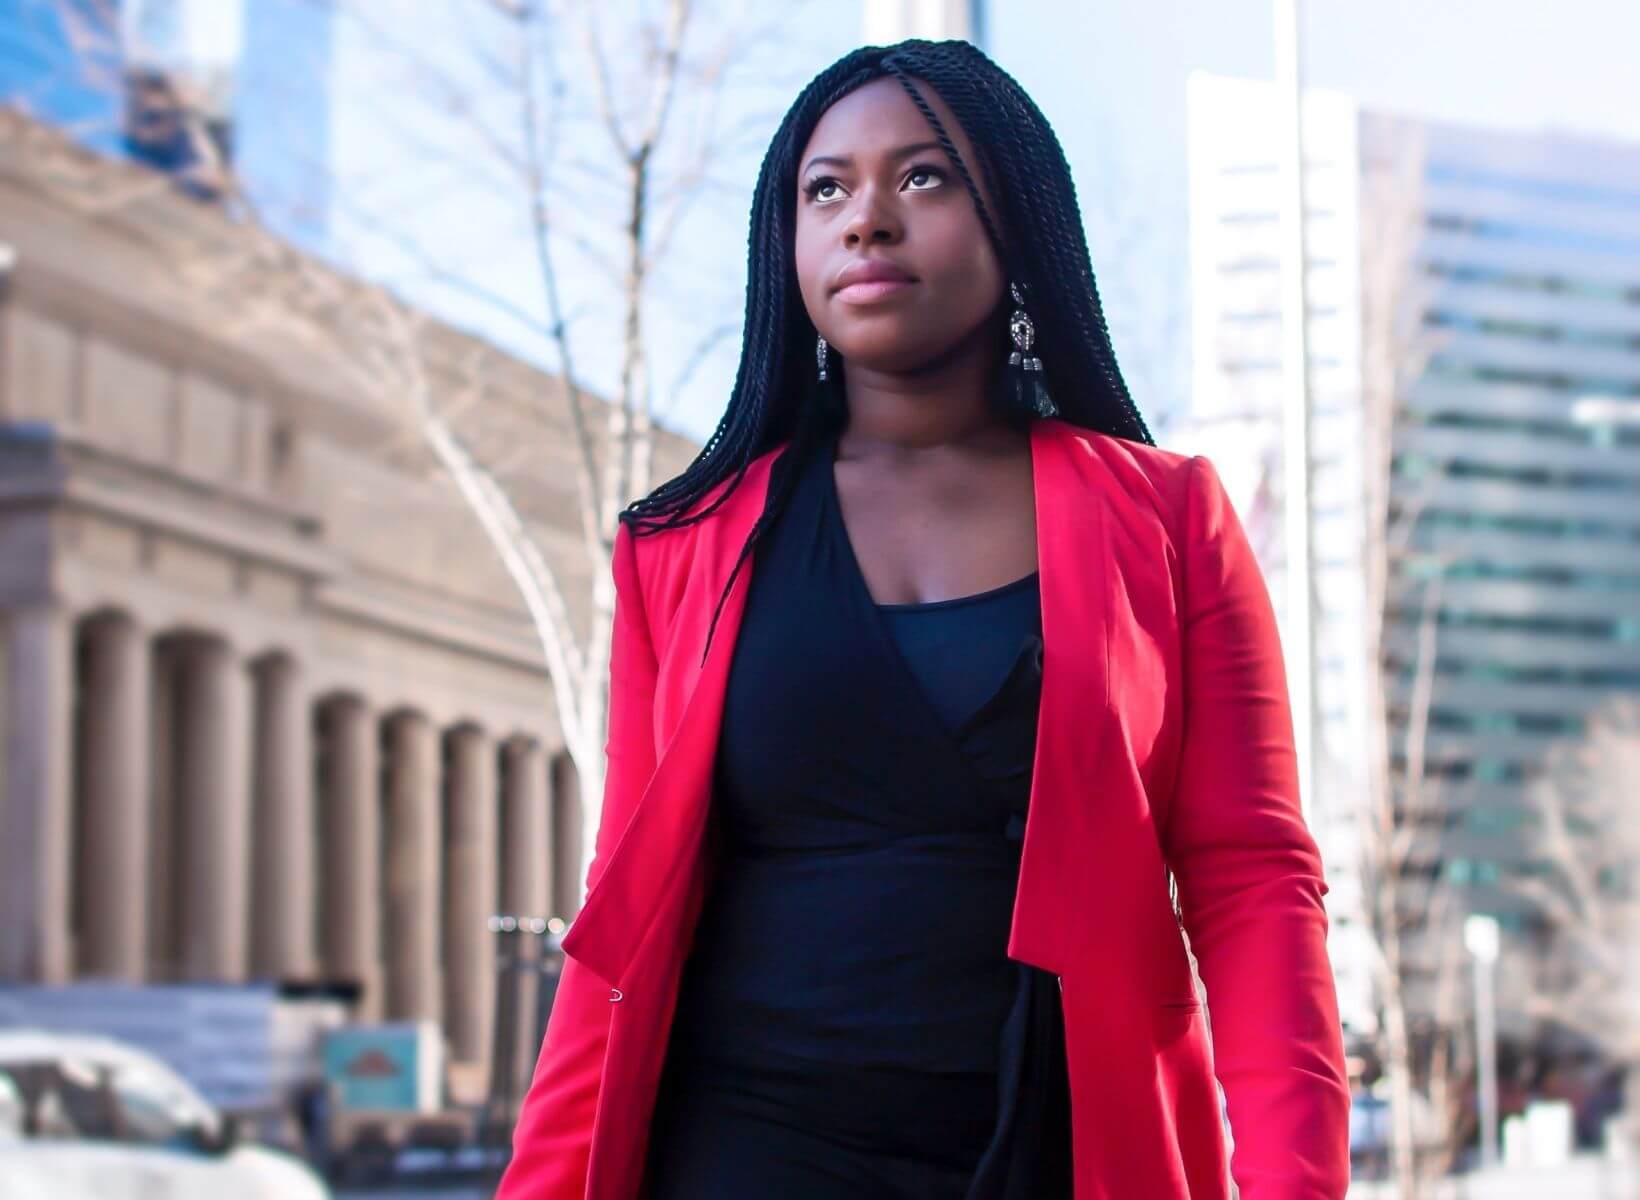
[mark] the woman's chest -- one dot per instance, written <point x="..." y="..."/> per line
<point x="843" y="718"/>
<point x="1109" y="611"/>
<point x="936" y="532"/>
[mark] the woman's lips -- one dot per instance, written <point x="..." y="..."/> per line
<point x="868" y="290"/>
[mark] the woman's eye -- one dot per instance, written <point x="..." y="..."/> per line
<point x="825" y="189"/>
<point x="817" y="189"/>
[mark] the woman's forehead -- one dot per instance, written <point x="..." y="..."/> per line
<point x="878" y="115"/>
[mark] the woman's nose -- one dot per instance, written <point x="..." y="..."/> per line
<point x="870" y="222"/>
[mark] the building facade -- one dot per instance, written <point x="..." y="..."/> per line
<point x="1235" y="416"/>
<point x="269" y="706"/>
<point x="1471" y="292"/>
<point x="885" y="22"/>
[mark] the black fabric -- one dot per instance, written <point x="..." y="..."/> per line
<point x="962" y="650"/>
<point x="848" y="1022"/>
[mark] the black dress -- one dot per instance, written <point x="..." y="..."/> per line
<point x="849" y="1026"/>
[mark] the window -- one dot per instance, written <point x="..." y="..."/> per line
<point x="1413" y="466"/>
<point x="56" y="1101"/>
<point x="1613" y="880"/>
<point x="11" y="1108"/>
<point x="70" y="1099"/>
<point x="1512" y="922"/>
<point x="1501" y="818"/>
<point x="155" y="1108"/>
<point x="1471" y="870"/>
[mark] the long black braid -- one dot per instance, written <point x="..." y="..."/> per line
<point x="1039" y="240"/>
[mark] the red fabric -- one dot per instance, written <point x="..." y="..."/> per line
<point x="1165" y="740"/>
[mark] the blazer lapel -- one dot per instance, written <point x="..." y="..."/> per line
<point x="1075" y="716"/>
<point x="663" y="842"/>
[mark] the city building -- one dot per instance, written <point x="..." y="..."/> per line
<point x="885" y="22"/>
<point x="270" y="708"/>
<point x="205" y="91"/>
<point x="1235" y="417"/>
<point x="1472" y="293"/>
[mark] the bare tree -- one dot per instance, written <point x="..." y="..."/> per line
<point x="608" y="157"/>
<point x="1401" y="819"/>
<point x="1587" y="977"/>
<point x="594" y="131"/>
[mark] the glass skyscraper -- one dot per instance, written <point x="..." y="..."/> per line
<point x="254" y="76"/>
<point x="1473" y="294"/>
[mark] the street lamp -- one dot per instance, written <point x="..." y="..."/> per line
<point x="1480" y="938"/>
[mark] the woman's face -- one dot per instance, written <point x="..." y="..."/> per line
<point x="875" y="187"/>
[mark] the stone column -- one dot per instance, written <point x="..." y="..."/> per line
<point x="111" y="866"/>
<point x="568" y="831"/>
<point x="471" y="874"/>
<point x="526" y="875"/>
<point x="215" y="807"/>
<point x="412" y="862"/>
<point x="164" y="816"/>
<point x="350" y="891"/>
<point x="282" y="924"/>
<point x="36" y="794"/>
<point x="526" y="845"/>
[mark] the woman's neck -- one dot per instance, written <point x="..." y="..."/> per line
<point x="941" y="404"/>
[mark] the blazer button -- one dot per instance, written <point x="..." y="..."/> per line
<point x="616" y="995"/>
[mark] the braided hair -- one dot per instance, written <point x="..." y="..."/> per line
<point x="776" y="397"/>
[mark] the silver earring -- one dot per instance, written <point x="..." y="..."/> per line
<point x="820" y="357"/>
<point x="1028" y="386"/>
<point x="1023" y="331"/>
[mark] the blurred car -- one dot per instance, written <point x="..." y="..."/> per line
<point x="89" y="1118"/>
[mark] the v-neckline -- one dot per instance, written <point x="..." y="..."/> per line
<point x="828" y="454"/>
<point x="879" y="619"/>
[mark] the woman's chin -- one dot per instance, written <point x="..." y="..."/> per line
<point x="899" y="358"/>
<point x="889" y="348"/>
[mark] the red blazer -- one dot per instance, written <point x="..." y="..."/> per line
<point x="1165" y="741"/>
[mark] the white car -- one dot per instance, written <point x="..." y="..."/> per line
<point x="89" y="1118"/>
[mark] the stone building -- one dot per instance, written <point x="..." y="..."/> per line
<point x="269" y="705"/>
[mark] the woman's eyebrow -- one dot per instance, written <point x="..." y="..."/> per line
<point x="845" y="160"/>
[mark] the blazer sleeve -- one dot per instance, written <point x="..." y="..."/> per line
<point x="1249" y="873"/>
<point x="553" y="1136"/>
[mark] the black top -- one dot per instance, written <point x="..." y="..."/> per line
<point x="872" y="780"/>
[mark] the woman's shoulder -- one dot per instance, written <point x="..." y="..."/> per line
<point x="734" y="500"/>
<point x="1150" y="489"/>
<point x="1154" y="461"/>
<point x="1150" y="478"/>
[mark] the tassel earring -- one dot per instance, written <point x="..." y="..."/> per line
<point x="1028" y="387"/>
<point x="820" y="357"/>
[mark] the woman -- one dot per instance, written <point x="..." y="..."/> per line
<point x="925" y="674"/>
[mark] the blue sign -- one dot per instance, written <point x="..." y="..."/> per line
<point x="383" y="1068"/>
